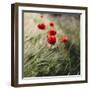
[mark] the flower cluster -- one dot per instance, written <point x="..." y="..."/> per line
<point x="51" y="35"/>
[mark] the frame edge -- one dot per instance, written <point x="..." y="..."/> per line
<point x="14" y="45"/>
<point x="50" y="6"/>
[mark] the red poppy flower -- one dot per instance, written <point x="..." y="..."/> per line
<point x="65" y="39"/>
<point x="52" y="32"/>
<point x="41" y="26"/>
<point x="51" y="39"/>
<point x="52" y="24"/>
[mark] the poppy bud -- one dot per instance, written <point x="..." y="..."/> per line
<point x="41" y="16"/>
<point x="52" y="24"/>
<point x="41" y="26"/>
<point x="64" y="39"/>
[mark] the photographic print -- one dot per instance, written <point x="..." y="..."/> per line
<point x="50" y="44"/>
